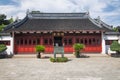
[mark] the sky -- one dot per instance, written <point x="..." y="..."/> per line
<point x="108" y="10"/>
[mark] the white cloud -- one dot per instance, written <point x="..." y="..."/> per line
<point x="95" y="7"/>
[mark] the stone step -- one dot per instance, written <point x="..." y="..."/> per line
<point x="58" y="55"/>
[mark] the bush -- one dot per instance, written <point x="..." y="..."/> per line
<point x="3" y="54"/>
<point x="2" y="47"/>
<point x="59" y="59"/>
<point x="40" y="48"/>
<point x="78" y="47"/>
<point x="115" y="46"/>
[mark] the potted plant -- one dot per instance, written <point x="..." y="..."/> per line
<point x="78" y="47"/>
<point x="115" y="46"/>
<point x="39" y="50"/>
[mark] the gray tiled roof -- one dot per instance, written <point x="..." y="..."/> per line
<point x="55" y="21"/>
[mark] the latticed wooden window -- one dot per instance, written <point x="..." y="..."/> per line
<point x="30" y="42"/>
<point x="86" y="41"/>
<point x="5" y="42"/>
<point x="93" y="41"/>
<point x="98" y="41"/>
<point x="18" y="42"/>
<point x="34" y="42"/>
<point x="50" y="41"/>
<point x="70" y="41"/>
<point x="109" y="42"/>
<point x="89" y="41"/>
<point x="21" y="41"/>
<point x="25" y="41"/>
<point x="38" y="41"/>
<point x="46" y="41"/>
<point x="65" y="41"/>
<point x="77" y="40"/>
<point x="81" y="40"/>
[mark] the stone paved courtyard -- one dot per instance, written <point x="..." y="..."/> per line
<point x="93" y="68"/>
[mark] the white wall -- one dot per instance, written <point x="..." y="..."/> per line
<point x="103" y="45"/>
<point x="110" y="37"/>
<point x="119" y="39"/>
<point x="9" y="47"/>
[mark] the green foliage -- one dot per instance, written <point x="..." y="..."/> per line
<point x="4" y="22"/>
<point x="2" y="47"/>
<point x="35" y="12"/>
<point x="2" y="26"/>
<point x="52" y="59"/>
<point x="116" y="29"/>
<point x="115" y="46"/>
<point x="11" y="20"/>
<point x="59" y="59"/>
<point x="2" y="17"/>
<point x="40" y="48"/>
<point x="78" y="47"/>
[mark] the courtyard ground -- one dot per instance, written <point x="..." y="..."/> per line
<point x="93" y="68"/>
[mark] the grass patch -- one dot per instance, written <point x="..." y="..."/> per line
<point x="59" y="59"/>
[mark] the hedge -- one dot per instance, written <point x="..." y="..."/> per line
<point x="59" y="59"/>
<point x="2" y="47"/>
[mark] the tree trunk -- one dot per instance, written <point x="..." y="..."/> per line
<point x="77" y="54"/>
<point x="38" y="55"/>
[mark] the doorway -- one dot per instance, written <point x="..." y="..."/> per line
<point x="58" y="41"/>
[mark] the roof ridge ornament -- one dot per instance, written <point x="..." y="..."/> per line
<point x="99" y="21"/>
<point x="87" y="13"/>
<point x="95" y="22"/>
<point x="98" y="18"/>
<point x="27" y="12"/>
<point x="17" y="19"/>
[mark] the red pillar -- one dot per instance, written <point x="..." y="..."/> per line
<point x="73" y="39"/>
<point x="41" y="41"/>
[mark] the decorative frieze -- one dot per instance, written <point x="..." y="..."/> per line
<point x="58" y="34"/>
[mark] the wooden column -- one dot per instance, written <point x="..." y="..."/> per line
<point x="41" y="41"/>
<point x="74" y="39"/>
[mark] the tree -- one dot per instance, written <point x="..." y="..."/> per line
<point x="11" y="20"/>
<point x="39" y="49"/>
<point x="78" y="47"/>
<point x="1" y="27"/>
<point x="2" y="17"/>
<point x="115" y="46"/>
<point x="2" y="47"/>
<point x="116" y="29"/>
<point x="4" y="21"/>
<point x="35" y="12"/>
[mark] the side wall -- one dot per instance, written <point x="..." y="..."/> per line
<point x="103" y="44"/>
<point x="9" y="47"/>
<point x="111" y="37"/>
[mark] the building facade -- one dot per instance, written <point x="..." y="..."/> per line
<point x="62" y="29"/>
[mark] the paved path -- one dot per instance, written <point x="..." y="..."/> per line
<point x="95" y="68"/>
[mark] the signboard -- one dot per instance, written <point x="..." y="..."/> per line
<point x="58" y="50"/>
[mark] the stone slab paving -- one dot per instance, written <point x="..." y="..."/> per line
<point x="58" y="55"/>
<point x="95" y="68"/>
